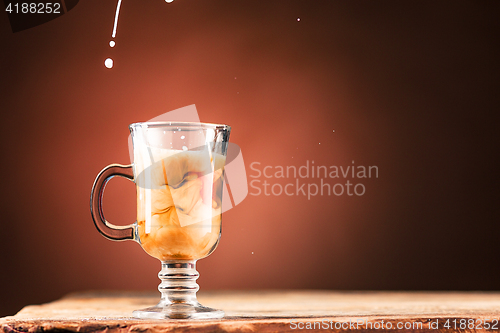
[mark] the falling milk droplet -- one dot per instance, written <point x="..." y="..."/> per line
<point x="116" y="18"/>
<point x="184" y="148"/>
<point x="183" y="137"/>
<point x="108" y="63"/>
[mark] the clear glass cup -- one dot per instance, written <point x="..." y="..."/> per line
<point x="178" y="170"/>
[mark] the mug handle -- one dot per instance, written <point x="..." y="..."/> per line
<point x="107" y="229"/>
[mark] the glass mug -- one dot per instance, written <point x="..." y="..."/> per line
<point x="178" y="170"/>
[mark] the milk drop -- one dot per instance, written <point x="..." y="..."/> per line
<point x="108" y="63"/>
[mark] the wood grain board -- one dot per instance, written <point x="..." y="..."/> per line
<point x="270" y="311"/>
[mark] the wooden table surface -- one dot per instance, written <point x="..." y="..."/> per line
<point x="270" y="311"/>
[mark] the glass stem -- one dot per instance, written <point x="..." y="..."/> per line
<point x="178" y="282"/>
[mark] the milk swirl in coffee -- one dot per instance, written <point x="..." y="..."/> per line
<point x="179" y="200"/>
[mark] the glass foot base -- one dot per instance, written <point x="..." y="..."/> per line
<point x="179" y="311"/>
<point x="178" y="288"/>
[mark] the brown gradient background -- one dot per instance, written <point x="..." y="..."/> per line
<point x="411" y="87"/>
